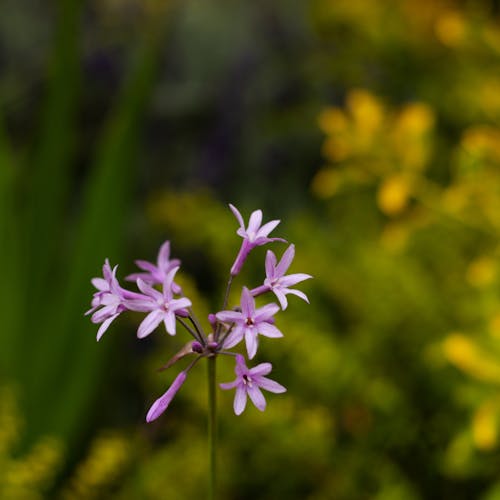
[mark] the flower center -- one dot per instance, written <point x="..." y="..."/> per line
<point x="249" y="322"/>
<point x="247" y="380"/>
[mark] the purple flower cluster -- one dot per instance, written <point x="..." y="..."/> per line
<point x="163" y="301"/>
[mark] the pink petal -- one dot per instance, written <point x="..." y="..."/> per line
<point x="269" y="330"/>
<point x="285" y="261"/>
<point x="261" y="369"/>
<point x="267" y="228"/>
<point x="105" y="326"/>
<point x="238" y="216"/>
<point x="128" y="295"/>
<point x="143" y="305"/>
<point x="146" y="266"/>
<point x="148" y="290"/>
<point x="229" y="385"/>
<point x="234" y="337"/>
<point x="240" y="400"/>
<point x="169" y="321"/>
<point x="281" y="298"/>
<point x="109" y="299"/>
<point x="240" y="368"/>
<point x="167" y="284"/>
<point x="150" y="323"/>
<point x="106" y="270"/>
<point x="270" y="264"/>
<point x="162" y="403"/>
<point x="251" y="343"/>
<point x="146" y="277"/>
<point x="230" y="317"/>
<point x="182" y="303"/>
<point x="265" y="312"/>
<point x="257" y="397"/>
<point x="91" y="310"/>
<point x="100" y="283"/>
<point x="300" y="294"/>
<point x="164" y="256"/>
<point x="254" y="222"/>
<point x="293" y="279"/>
<point x="247" y="303"/>
<point x="260" y="290"/>
<point x="103" y="314"/>
<point x="270" y="385"/>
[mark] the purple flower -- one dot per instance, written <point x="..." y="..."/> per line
<point x="254" y="235"/>
<point x="277" y="282"/>
<point x="155" y="275"/>
<point x="160" y="305"/>
<point x="249" y="323"/>
<point x="161" y="404"/>
<point x="110" y="297"/>
<point x="249" y="382"/>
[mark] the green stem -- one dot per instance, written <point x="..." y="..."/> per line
<point x="212" y="427"/>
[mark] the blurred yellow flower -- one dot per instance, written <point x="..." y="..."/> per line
<point x="467" y="356"/>
<point x="325" y="183"/>
<point x="485" y="426"/>
<point x="392" y="196"/>
<point x="106" y="460"/>
<point x="366" y="111"/>
<point x="332" y="121"/>
<point x="416" y="119"/>
<point x="494" y="326"/>
<point x="375" y="145"/>
<point x="489" y="97"/>
<point x="337" y="148"/>
<point x="481" y="272"/>
<point x="483" y="141"/>
<point x="27" y="476"/>
<point x="450" y="28"/>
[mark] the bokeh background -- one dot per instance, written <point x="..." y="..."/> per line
<point x="371" y="129"/>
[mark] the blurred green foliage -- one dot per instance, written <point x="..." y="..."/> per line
<point x="371" y="129"/>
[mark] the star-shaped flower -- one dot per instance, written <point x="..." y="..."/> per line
<point x="156" y="274"/>
<point x="110" y="297"/>
<point x="250" y="381"/>
<point x="254" y="235"/>
<point x="277" y="282"/>
<point x="161" y="306"/>
<point x="249" y="323"/>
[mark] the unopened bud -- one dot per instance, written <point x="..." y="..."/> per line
<point x="212" y="320"/>
<point x="196" y="346"/>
